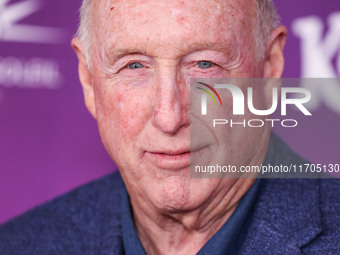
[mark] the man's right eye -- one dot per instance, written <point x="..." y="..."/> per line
<point x="205" y="64"/>
<point x="135" y="65"/>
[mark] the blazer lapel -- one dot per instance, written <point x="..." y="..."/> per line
<point x="286" y="218"/>
<point x="100" y="223"/>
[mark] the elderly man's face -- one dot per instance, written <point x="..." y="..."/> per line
<point x="145" y="54"/>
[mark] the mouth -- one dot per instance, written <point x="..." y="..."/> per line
<point x="172" y="155"/>
<point x="168" y="159"/>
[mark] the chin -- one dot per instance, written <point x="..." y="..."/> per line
<point x="178" y="194"/>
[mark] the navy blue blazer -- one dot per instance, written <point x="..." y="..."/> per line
<point x="291" y="216"/>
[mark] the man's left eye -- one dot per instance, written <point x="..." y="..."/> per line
<point x="135" y="65"/>
<point x="205" y="64"/>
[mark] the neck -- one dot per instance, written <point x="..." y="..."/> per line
<point x="164" y="232"/>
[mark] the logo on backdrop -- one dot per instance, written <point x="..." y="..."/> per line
<point x="11" y="30"/>
<point x="320" y="55"/>
<point x="34" y="72"/>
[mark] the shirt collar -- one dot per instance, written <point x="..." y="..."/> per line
<point x="132" y="244"/>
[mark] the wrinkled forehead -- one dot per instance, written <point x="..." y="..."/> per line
<point x="169" y="20"/>
<point x="188" y="6"/>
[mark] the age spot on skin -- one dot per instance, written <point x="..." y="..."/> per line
<point x="181" y="20"/>
<point x="120" y="98"/>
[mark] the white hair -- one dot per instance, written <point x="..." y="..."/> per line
<point x="267" y="19"/>
<point x="84" y="29"/>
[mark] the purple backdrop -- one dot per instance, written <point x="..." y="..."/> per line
<point x="49" y="144"/>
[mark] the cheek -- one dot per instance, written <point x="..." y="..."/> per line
<point x="122" y="113"/>
<point x="130" y="113"/>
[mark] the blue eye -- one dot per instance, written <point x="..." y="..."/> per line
<point x="135" y="65"/>
<point x="205" y="64"/>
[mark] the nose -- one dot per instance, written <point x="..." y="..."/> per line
<point x="172" y="105"/>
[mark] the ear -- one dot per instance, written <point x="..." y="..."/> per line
<point x="274" y="60"/>
<point x="85" y="77"/>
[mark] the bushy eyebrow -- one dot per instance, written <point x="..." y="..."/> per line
<point x="112" y="54"/>
<point x="217" y="46"/>
<point x="119" y="53"/>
